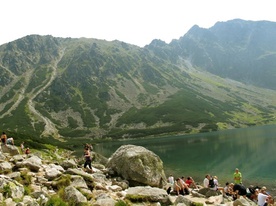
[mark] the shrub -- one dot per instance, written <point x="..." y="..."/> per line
<point x="64" y="181"/>
<point x="121" y="203"/>
<point x="6" y="191"/>
<point x="55" y="200"/>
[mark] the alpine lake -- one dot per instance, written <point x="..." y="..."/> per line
<point x="252" y="150"/>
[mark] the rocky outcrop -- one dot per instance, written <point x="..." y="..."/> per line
<point x="37" y="179"/>
<point x="138" y="165"/>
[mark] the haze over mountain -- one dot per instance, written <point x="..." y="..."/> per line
<point x="209" y="79"/>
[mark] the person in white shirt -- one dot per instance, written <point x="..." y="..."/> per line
<point x="206" y="181"/>
<point x="263" y="197"/>
<point x="171" y="180"/>
<point x="217" y="187"/>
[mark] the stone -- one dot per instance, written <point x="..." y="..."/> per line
<point x="138" y="165"/>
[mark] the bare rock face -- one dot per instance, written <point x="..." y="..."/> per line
<point x="138" y="165"/>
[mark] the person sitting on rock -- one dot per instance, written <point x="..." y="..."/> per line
<point x="228" y="189"/>
<point x="264" y="198"/>
<point x="27" y="151"/>
<point x="10" y="141"/>
<point x="217" y="185"/>
<point x="239" y="190"/>
<point x="177" y="186"/>
<point x="190" y="183"/>
<point x="184" y="186"/>
<point x="206" y="181"/>
<point x="170" y="182"/>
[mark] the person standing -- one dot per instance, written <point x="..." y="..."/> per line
<point x="88" y="160"/>
<point x="22" y="147"/>
<point x="237" y="177"/>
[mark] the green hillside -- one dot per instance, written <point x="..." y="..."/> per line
<point x="87" y="88"/>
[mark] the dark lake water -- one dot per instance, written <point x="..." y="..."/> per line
<point x="252" y="150"/>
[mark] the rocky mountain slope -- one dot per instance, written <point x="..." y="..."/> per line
<point x="64" y="87"/>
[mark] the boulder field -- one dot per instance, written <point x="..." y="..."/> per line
<point x="133" y="175"/>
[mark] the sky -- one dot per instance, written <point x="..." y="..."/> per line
<point x="135" y="22"/>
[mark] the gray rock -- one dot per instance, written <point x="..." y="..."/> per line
<point x="74" y="196"/>
<point x="182" y="200"/>
<point x="53" y="171"/>
<point x="151" y="194"/>
<point x="2" y="156"/>
<point x="105" y="202"/>
<point x="69" y="163"/>
<point x="16" y="189"/>
<point x="5" y="167"/>
<point x="78" y="182"/>
<point x="17" y="158"/>
<point x="11" y="149"/>
<point x="138" y="165"/>
<point x="9" y="202"/>
<point x="34" y="163"/>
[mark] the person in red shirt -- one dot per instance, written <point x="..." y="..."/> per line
<point x="191" y="183"/>
<point x="27" y="151"/>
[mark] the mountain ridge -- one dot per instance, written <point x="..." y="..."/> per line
<point x="68" y="87"/>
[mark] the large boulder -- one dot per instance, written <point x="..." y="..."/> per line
<point x="138" y="165"/>
<point x="34" y="163"/>
<point x="11" y="149"/>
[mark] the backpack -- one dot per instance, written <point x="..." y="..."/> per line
<point x="211" y="183"/>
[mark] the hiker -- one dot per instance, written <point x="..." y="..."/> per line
<point x="4" y="138"/>
<point x="88" y="146"/>
<point x="88" y="159"/>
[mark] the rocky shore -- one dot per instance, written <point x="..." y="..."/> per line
<point x="133" y="175"/>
